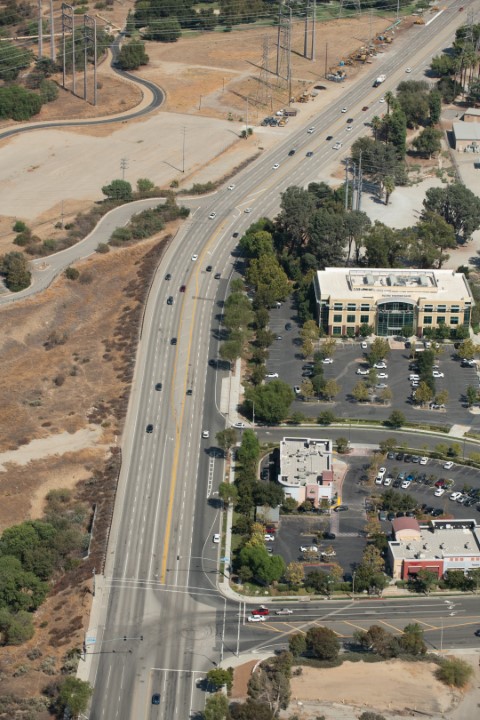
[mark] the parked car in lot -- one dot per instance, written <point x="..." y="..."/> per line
<point x="340" y="508"/>
<point x="308" y="548"/>
<point x="438" y="374"/>
<point x="439" y="492"/>
<point x="423" y="460"/>
<point x="406" y="484"/>
<point x="269" y="537"/>
<point x="271" y="375"/>
<point x="381" y="365"/>
<point x="362" y="371"/>
<point x="448" y="465"/>
<point x="388" y="481"/>
<point x="382" y="376"/>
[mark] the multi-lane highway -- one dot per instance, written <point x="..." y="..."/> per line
<point x="160" y="575"/>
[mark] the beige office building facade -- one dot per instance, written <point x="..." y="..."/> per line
<point x="391" y="299"/>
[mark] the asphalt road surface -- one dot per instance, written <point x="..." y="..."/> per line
<point x="164" y="624"/>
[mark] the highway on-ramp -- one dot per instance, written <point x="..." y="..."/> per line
<point x="162" y="623"/>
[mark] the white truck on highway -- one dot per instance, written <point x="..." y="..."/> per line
<point x="380" y="79"/>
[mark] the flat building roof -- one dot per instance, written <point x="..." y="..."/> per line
<point x="303" y="460"/>
<point x="379" y="283"/>
<point x="450" y="539"/>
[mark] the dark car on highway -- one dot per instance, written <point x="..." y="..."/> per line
<point x="149" y="428"/>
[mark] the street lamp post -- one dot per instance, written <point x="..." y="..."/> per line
<point x="353" y="586"/>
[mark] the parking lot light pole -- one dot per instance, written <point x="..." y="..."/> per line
<point x="353" y="586"/>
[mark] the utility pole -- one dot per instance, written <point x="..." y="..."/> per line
<point x="183" y="150"/>
<point x="246" y="123"/>
<point x="52" y="34"/>
<point x="346" y="184"/>
<point x="40" y="29"/>
<point x="123" y="166"/>
<point x="305" y="35"/>
<point x="326" y="59"/>
<point x="359" y="184"/>
<point x="314" y="17"/>
<point x="289" y="61"/>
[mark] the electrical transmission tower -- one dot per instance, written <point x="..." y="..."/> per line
<point x="264" y="90"/>
<point x="86" y="39"/>
<point x="310" y="14"/>
<point x="284" y="46"/>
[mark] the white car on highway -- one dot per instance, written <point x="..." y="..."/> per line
<point x="255" y="618"/>
<point x="216" y="538"/>
<point x="284" y="611"/>
<point x="276" y="166"/>
<point x="311" y="130"/>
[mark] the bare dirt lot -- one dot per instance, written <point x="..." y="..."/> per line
<point x="394" y="688"/>
<point x="207" y="80"/>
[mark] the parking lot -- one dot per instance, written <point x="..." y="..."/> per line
<point x="286" y="360"/>
<point x="304" y="530"/>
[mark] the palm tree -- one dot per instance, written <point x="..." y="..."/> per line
<point x="389" y="99"/>
<point x="376" y="125"/>
<point x="389" y="186"/>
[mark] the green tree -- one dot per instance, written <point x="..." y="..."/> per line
<point x="231" y="350"/>
<point x="132" y="55"/>
<point x="396" y="419"/>
<point x="272" y="401"/>
<point x="379" y="350"/>
<point x="389" y="187"/>
<point x="297" y="644"/>
<point x="342" y="445"/>
<point x="248" y="453"/>
<point x="458" y="205"/>
<point x="384" y="246"/>
<point x="118" y="190"/>
<point x="306" y="388"/>
<point x="256" y="243"/>
<point x="266" y="568"/>
<point x="216" y="707"/>
<point x="454" y="672"/>
<point x="471" y="394"/>
<point x="326" y="417"/>
<point x="74" y="694"/>
<point x="295" y="573"/>
<point x="322" y="643"/>
<point x="166" y="29"/>
<point x="428" y="143"/>
<point x="226" y="439"/>
<point x="412" y="641"/>
<point x="360" y="391"/>
<point x="251" y="710"/>
<point x="228" y="493"/>
<point x="435" y="106"/>
<point x="330" y="389"/>
<point x="424" y="581"/>
<point x="433" y="236"/>
<point x="467" y="349"/>
<point x="13" y="58"/>
<point x="13" y="266"/>
<point x="423" y="393"/>
<point x="218" y="677"/>
<point x="266" y="275"/>
<point x="16" y="628"/>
